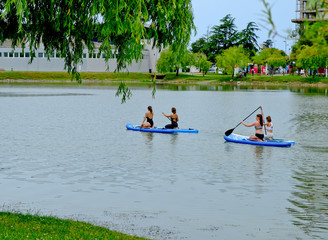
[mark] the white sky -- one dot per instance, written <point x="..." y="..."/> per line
<point x="208" y="13"/>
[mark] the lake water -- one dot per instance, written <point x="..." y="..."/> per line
<point x="65" y="152"/>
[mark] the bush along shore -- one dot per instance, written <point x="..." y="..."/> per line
<point x="21" y="226"/>
<point x="170" y="78"/>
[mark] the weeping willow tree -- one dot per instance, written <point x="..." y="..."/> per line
<point x="69" y="26"/>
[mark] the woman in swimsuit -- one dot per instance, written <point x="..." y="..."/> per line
<point x="258" y="124"/>
<point x="174" y="119"/>
<point x="269" y="128"/>
<point x="149" y="116"/>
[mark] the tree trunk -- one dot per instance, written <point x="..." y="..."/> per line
<point x="177" y="72"/>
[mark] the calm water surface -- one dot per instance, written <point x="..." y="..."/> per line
<point x="66" y="152"/>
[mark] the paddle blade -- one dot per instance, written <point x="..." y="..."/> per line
<point x="227" y="133"/>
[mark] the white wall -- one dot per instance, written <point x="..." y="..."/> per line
<point x="15" y="62"/>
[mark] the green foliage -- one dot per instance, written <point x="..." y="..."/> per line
<point x="68" y="26"/>
<point x="223" y="36"/>
<point x="231" y="58"/>
<point x="19" y="226"/>
<point x="268" y="18"/>
<point x="140" y="79"/>
<point x="173" y="60"/>
<point x="248" y="38"/>
<point x="314" y="34"/>
<point x="273" y="57"/>
<point x="199" y="60"/>
<point x="276" y="61"/>
<point x="226" y="35"/>
<point x="311" y="58"/>
<point x="317" y="35"/>
<point x="164" y="63"/>
<point x="200" y="46"/>
<point x="311" y="50"/>
<point x="65" y="77"/>
<point x="268" y="43"/>
<point x="123" y="91"/>
<point x="315" y="4"/>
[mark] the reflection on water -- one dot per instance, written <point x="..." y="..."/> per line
<point x="174" y="138"/>
<point x="18" y="95"/>
<point x="309" y="201"/>
<point x="148" y="137"/>
<point x="258" y="152"/>
<point x="239" y="87"/>
<point x="313" y="119"/>
<point x="224" y="87"/>
<point x="309" y="197"/>
<point x="310" y="90"/>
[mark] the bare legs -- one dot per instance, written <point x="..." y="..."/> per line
<point x="254" y="138"/>
<point x="146" y="125"/>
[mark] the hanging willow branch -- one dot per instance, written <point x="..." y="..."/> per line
<point x="70" y="26"/>
<point x="123" y="91"/>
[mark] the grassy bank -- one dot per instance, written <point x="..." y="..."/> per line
<point x="183" y="78"/>
<point x="257" y="79"/>
<point x="19" y="226"/>
<point x="66" y="77"/>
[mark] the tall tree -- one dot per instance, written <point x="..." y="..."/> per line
<point x="268" y="43"/>
<point x="248" y="38"/>
<point x="223" y="36"/>
<point x="200" y="46"/>
<point x="226" y="35"/>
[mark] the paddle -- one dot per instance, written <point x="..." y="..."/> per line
<point x="227" y="133"/>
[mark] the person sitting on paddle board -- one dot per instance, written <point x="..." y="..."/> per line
<point x="269" y="128"/>
<point x="258" y="124"/>
<point x="174" y="119"/>
<point x="149" y="116"/>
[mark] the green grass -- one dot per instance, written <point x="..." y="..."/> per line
<point x="108" y="78"/>
<point x="196" y="77"/>
<point x="286" y="79"/>
<point x="20" y="226"/>
<point x="259" y="79"/>
<point x="64" y="76"/>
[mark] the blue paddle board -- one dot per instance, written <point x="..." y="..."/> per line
<point x="133" y="127"/>
<point x="245" y="140"/>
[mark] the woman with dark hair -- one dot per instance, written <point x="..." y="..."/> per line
<point x="258" y="124"/>
<point x="174" y="119"/>
<point x="149" y="116"/>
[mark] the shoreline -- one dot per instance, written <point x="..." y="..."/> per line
<point x="107" y="78"/>
<point x="97" y="82"/>
<point x="252" y="83"/>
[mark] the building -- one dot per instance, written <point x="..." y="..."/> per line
<point x="19" y="60"/>
<point x="303" y="13"/>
